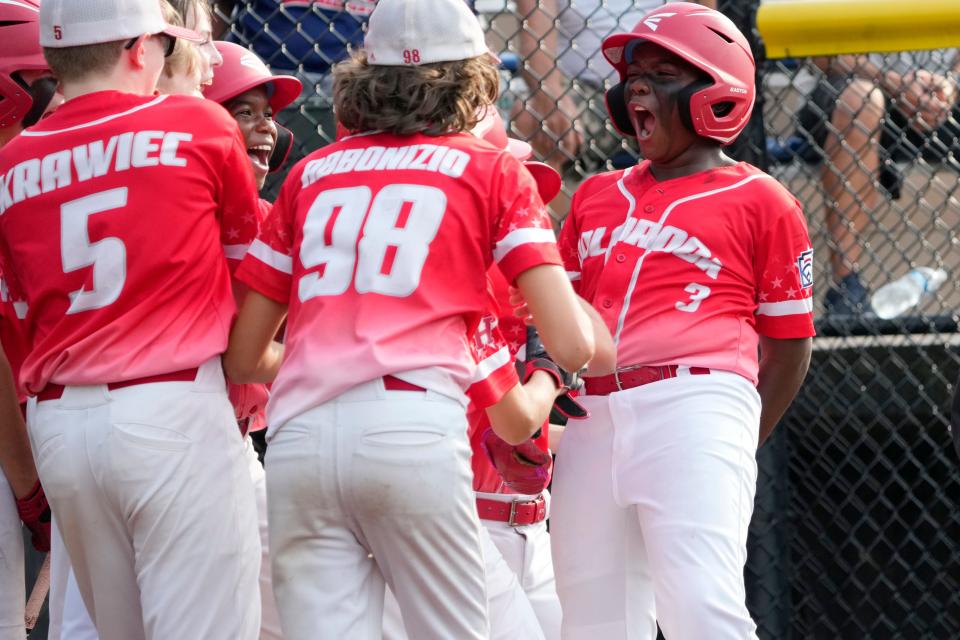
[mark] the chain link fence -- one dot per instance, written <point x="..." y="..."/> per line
<point x="856" y="532"/>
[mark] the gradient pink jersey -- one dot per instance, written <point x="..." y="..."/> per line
<point x="380" y="246"/>
<point x="691" y="271"/>
<point x="117" y="214"/>
<point x="498" y="341"/>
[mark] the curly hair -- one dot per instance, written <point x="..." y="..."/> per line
<point x="438" y="98"/>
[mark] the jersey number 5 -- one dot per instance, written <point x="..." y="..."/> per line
<point x="386" y="247"/>
<point x="108" y="256"/>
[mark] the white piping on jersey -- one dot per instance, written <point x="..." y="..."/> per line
<point x="152" y="103"/>
<point x="786" y="308"/>
<point x="271" y="257"/>
<point x="491" y="363"/>
<point x="522" y="236"/>
<point x="663" y="218"/>
<point x="21" y="5"/>
<point x="235" y="251"/>
<point x="631" y="207"/>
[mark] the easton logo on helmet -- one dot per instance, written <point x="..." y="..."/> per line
<point x="654" y="21"/>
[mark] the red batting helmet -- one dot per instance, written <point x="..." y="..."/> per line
<point x="241" y="71"/>
<point x="717" y="109"/>
<point x="492" y="129"/>
<point x="20" y="51"/>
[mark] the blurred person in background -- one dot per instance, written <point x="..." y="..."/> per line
<point x="869" y="112"/>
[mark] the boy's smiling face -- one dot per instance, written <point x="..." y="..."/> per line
<point x="655" y="78"/>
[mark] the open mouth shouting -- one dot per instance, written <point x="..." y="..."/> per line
<point x="643" y="120"/>
<point x="260" y="158"/>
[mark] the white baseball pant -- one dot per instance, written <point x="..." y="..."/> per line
<point x="527" y="552"/>
<point x="509" y="608"/>
<point x="69" y="619"/>
<point x="374" y="488"/>
<point x="653" y="496"/>
<point x="12" y="589"/>
<point x="154" y="502"/>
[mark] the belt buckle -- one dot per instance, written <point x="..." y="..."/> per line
<point x="619" y="370"/>
<point x="513" y="514"/>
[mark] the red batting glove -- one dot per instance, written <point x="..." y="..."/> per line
<point x="35" y="514"/>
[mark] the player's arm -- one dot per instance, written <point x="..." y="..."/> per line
<point x="524" y="409"/>
<point x="252" y="354"/>
<point x="604" y="359"/>
<point x="565" y="328"/>
<point x="783" y="366"/>
<point x="15" y="457"/>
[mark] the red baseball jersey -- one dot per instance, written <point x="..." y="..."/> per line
<point x="13" y="337"/>
<point x="117" y="214"/>
<point x="498" y="341"/>
<point x="692" y="270"/>
<point x="380" y="244"/>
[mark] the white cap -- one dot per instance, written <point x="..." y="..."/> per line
<point x="72" y="23"/>
<point x="415" y="32"/>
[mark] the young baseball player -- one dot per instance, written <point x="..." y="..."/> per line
<point x="252" y="94"/>
<point x="129" y="303"/>
<point x="248" y="90"/>
<point x="378" y="245"/>
<point x="521" y="600"/>
<point x="694" y="261"/>
<point x="198" y="16"/>
<point x="183" y="69"/>
<point x="27" y="93"/>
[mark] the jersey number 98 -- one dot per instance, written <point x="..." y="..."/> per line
<point x="380" y="244"/>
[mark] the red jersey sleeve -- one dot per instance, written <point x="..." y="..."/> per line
<point x="522" y="235"/>
<point x="567" y="244"/>
<point x="784" y="275"/>
<point x="239" y="203"/>
<point x="495" y="374"/>
<point x="268" y="266"/>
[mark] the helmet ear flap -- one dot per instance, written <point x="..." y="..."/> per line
<point x="282" y="148"/>
<point x="685" y="100"/>
<point x="617" y="108"/>
<point x="41" y="91"/>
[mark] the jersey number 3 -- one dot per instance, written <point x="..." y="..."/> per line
<point x="382" y="251"/>
<point x="108" y="256"/>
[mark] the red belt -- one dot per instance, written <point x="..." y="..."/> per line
<point x="390" y="383"/>
<point x="515" y="513"/>
<point x="55" y="391"/>
<point x="630" y="377"/>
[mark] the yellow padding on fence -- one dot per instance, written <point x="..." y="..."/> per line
<point x="798" y="28"/>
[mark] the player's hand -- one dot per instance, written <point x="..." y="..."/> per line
<point x="248" y="400"/>
<point x="35" y="514"/>
<point x="525" y="467"/>
<point x="520" y="308"/>
<point x="927" y="98"/>
<point x="568" y="383"/>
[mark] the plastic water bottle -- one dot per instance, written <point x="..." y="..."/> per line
<point x="904" y="293"/>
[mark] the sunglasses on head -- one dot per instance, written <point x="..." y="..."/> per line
<point x="171" y="43"/>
